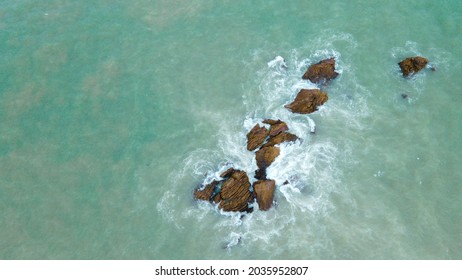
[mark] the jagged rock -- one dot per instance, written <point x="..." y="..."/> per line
<point x="206" y="192"/>
<point x="264" y="193"/>
<point x="227" y="173"/>
<point x="265" y="156"/>
<point x="276" y="126"/>
<point x="307" y="101"/>
<point x="256" y="137"/>
<point x="321" y="72"/>
<point x="412" y="65"/>
<point x="231" y="194"/>
<point x="234" y="193"/>
<point x="281" y="137"/>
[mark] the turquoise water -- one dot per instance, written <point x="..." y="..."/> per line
<point x="111" y="113"/>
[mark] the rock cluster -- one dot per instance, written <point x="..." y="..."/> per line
<point x="267" y="149"/>
<point x="307" y="101"/>
<point x="234" y="192"/>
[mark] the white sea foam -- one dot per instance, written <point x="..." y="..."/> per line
<point x="278" y="62"/>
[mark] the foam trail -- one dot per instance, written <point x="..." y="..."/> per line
<point x="233" y="240"/>
<point x="312" y="125"/>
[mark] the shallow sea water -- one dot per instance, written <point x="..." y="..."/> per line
<point x="111" y="113"/>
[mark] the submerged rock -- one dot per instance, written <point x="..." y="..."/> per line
<point x="321" y="72"/>
<point x="412" y="65"/>
<point x="307" y="101"/>
<point x="264" y="193"/>
<point x="256" y="137"/>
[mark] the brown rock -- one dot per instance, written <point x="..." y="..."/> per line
<point x="256" y="137"/>
<point x="264" y="193"/>
<point x="265" y="156"/>
<point x="276" y="126"/>
<point x="412" y="65"/>
<point x="235" y="194"/>
<point x="206" y="192"/>
<point x="217" y="198"/>
<point x="321" y="72"/>
<point x="227" y="173"/>
<point x="271" y="122"/>
<point x="281" y="137"/>
<point x="307" y="101"/>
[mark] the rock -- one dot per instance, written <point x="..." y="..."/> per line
<point x="321" y="72"/>
<point x="276" y="126"/>
<point x="281" y="137"/>
<point x="412" y="65"/>
<point x="256" y="137"/>
<point x="227" y="173"/>
<point x="264" y="193"/>
<point x="217" y="198"/>
<point x="260" y="174"/>
<point x="231" y="194"/>
<point x="206" y="192"/>
<point x="265" y="156"/>
<point x="307" y="101"/>
<point x="234" y="193"/>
